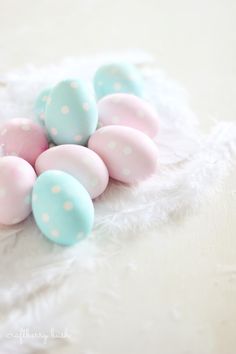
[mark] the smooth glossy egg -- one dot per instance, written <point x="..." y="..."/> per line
<point x="71" y="114"/>
<point x="128" y="110"/>
<point x="62" y="208"/>
<point x="17" y="178"/>
<point x="40" y="106"/>
<point x="23" y="138"/>
<point x="82" y="163"/>
<point x="116" y="78"/>
<point x="130" y="155"/>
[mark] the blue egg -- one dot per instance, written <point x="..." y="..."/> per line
<point x="117" y="78"/>
<point x="62" y="208"/>
<point x="71" y="115"/>
<point x="40" y="106"/>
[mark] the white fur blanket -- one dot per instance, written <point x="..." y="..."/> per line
<point x="191" y="167"/>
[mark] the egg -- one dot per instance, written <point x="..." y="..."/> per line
<point x="40" y="106"/>
<point x="23" y="138"/>
<point x="17" y="178"/>
<point x="82" y="163"/>
<point x="130" y="155"/>
<point x="116" y="78"/>
<point x="71" y="115"/>
<point x="62" y="208"/>
<point x="128" y="110"/>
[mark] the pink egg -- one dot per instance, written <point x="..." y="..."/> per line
<point x="80" y="162"/>
<point x="17" y="178"/>
<point x="128" y="110"/>
<point x="23" y="138"/>
<point x="129" y="155"/>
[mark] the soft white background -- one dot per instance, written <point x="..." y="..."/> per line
<point x="178" y="296"/>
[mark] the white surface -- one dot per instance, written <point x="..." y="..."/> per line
<point x="181" y="297"/>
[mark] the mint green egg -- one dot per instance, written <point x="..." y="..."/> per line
<point x="62" y="208"/>
<point x="71" y="115"/>
<point x="40" y="106"/>
<point x="117" y="78"/>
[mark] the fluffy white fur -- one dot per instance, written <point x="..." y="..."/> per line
<point x="190" y="169"/>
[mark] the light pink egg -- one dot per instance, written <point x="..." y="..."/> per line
<point x="78" y="161"/>
<point x="23" y="138"/>
<point x="128" y="110"/>
<point x="129" y="155"/>
<point x="17" y="178"/>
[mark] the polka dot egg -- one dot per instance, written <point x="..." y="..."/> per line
<point x="128" y="110"/>
<point x="71" y="115"/>
<point x="62" y="208"/>
<point x="117" y="78"/>
<point x="17" y="178"/>
<point x="23" y="138"/>
<point x="130" y="155"/>
<point x="79" y="161"/>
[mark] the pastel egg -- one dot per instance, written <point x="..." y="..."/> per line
<point x="23" y="138"/>
<point x="128" y="110"/>
<point x="62" y="208"/>
<point x="130" y="155"/>
<point x="17" y="178"/>
<point x="40" y="106"/>
<point x="82" y="163"/>
<point x="116" y="78"/>
<point x="71" y="115"/>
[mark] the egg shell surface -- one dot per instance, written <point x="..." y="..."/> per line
<point x="17" y="178"/>
<point x="40" y="106"/>
<point x="23" y="138"/>
<point x="71" y="114"/>
<point x="128" y="110"/>
<point x="62" y="208"/>
<point x="130" y="155"/>
<point x="116" y="78"/>
<point x="82" y="163"/>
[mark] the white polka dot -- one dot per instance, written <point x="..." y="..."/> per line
<point x="126" y="172"/>
<point x="115" y="120"/>
<point x="80" y="235"/>
<point x="3" y="132"/>
<point x="86" y="106"/>
<point x="3" y="192"/>
<point x="111" y="145"/>
<point x="117" y="86"/>
<point x="65" y="109"/>
<point x="55" y="233"/>
<point x="56" y="189"/>
<point x="45" y="217"/>
<point x="34" y="197"/>
<point x="127" y="150"/>
<point x="68" y="206"/>
<point x="78" y="138"/>
<point x="42" y="116"/>
<point x="74" y="84"/>
<point x="25" y="127"/>
<point x="54" y="131"/>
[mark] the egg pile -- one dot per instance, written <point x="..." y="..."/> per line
<point x="92" y="142"/>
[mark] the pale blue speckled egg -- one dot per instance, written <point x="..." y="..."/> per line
<point x="117" y="78"/>
<point x="62" y="208"/>
<point x="40" y="106"/>
<point x="71" y="114"/>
